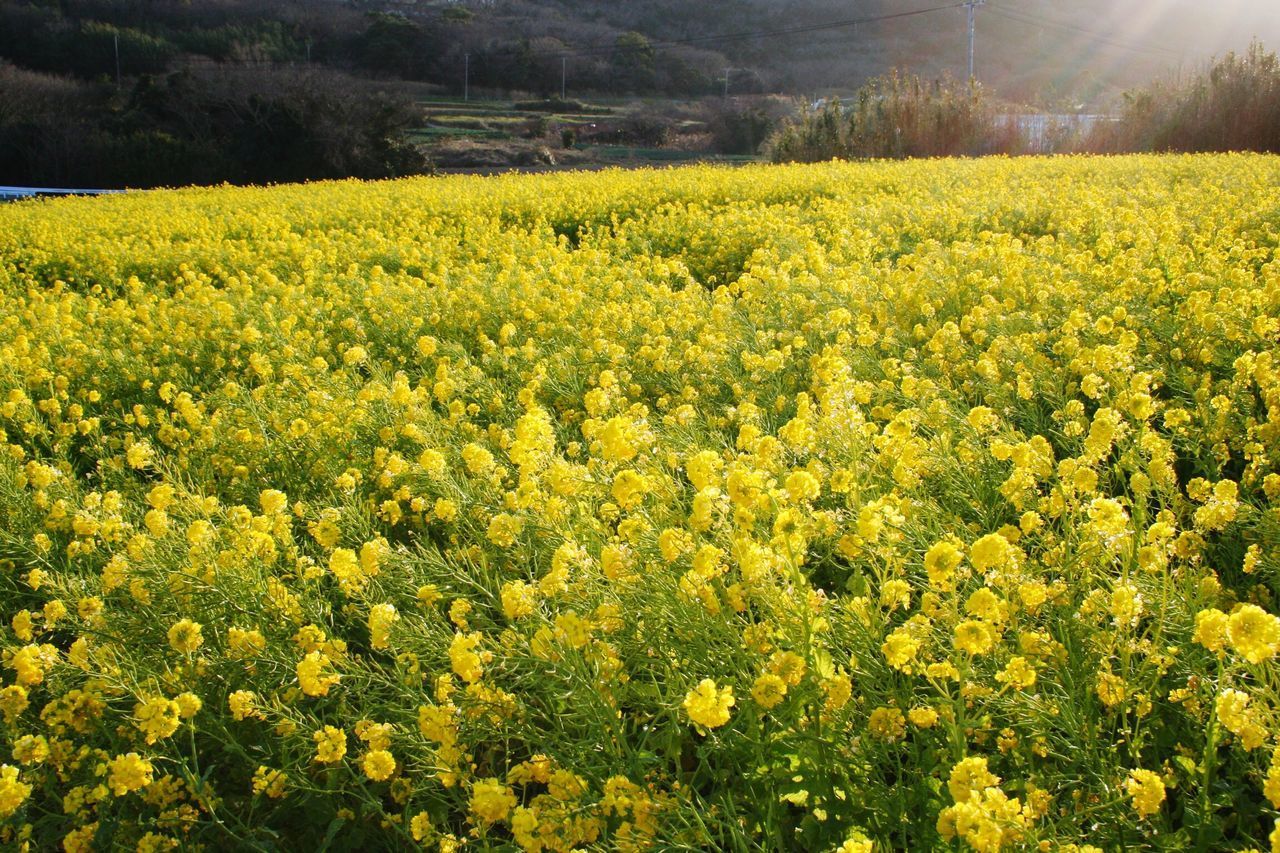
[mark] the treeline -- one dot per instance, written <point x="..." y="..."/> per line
<point x="103" y="38"/>
<point x="1232" y="105"/>
<point x="200" y="125"/>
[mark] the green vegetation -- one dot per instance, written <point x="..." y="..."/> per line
<point x="1232" y="105"/>
<point x="898" y="116"/>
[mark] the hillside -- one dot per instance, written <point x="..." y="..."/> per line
<point x="1031" y="50"/>
<point x="116" y="93"/>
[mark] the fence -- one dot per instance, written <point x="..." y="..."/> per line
<point x="1045" y="132"/>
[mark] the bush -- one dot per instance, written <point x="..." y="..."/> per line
<point x="899" y="116"/>
<point x="207" y="126"/>
<point x="743" y="129"/>
<point x="1234" y="105"/>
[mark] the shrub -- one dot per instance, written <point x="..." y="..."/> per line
<point x="1233" y="105"/>
<point x="898" y="116"/>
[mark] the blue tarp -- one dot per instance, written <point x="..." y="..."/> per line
<point x="10" y="193"/>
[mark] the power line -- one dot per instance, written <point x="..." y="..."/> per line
<point x="1035" y="21"/>
<point x="669" y="43"/>
<point x="755" y="34"/>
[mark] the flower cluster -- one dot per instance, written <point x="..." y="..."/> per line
<point x="866" y="506"/>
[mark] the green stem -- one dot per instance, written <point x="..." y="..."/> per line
<point x="1209" y="761"/>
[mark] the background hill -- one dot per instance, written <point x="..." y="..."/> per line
<point x="152" y="92"/>
<point x="1028" y="50"/>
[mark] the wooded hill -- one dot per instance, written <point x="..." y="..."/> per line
<point x="1028" y="50"/>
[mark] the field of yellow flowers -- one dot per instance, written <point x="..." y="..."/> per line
<point x="877" y="506"/>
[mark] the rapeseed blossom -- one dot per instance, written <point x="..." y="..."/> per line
<point x="709" y="705"/>
<point x="1147" y="791"/>
<point x="646" y="511"/>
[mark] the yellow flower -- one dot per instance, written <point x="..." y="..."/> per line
<point x="138" y="455"/>
<point x="242" y="705"/>
<point x="768" y="690"/>
<point x="185" y="636"/>
<point x="1232" y="707"/>
<point x="128" y="773"/>
<point x="1271" y="786"/>
<point x="990" y="552"/>
<point x="346" y="569"/>
<point x="518" y="599"/>
<point x="445" y="510"/>
<point x="1017" y="673"/>
<point x="272" y="501"/>
<point x="243" y="643"/>
<point x="22" y="624"/>
<point x="80" y="840"/>
<point x="982" y="419"/>
<point x="988" y="822"/>
<point x="189" y="704"/>
<point x="421" y="827"/>
<point x="466" y="662"/>
<point x="923" y="718"/>
<point x="326" y="530"/>
<point x="1211" y="629"/>
<point x="1126" y="605"/>
<point x="378" y="764"/>
<point x="1254" y="633"/>
<point x="331" y="744"/>
<point x="787" y="665"/>
<point x="802" y="486"/>
<point x="157" y="718"/>
<point x="311" y="676"/>
<point x="1147" y="791"/>
<point x="13" y="791"/>
<point x="1111" y="689"/>
<point x="888" y="723"/>
<point x="478" y="460"/>
<point x="975" y="637"/>
<point x="13" y="701"/>
<point x="31" y="749"/>
<point x="629" y="488"/>
<point x="32" y="662"/>
<point x="381" y="618"/>
<point x="968" y="777"/>
<point x="986" y="605"/>
<point x="268" y="781"/>
<point x="900" y="648"/>
<point x="708" y="705"/>
<point x="491" y="801"/>
<point x="503" y="530"/>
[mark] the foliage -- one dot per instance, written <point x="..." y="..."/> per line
<point x="1233" y="105"/>
<point x="201" y="126"/>
<point x="898" y="116"/>
<point x="853" y="506"/>
<point x="740" y="130"/>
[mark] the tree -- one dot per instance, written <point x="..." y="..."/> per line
<point x="632" y="62"/>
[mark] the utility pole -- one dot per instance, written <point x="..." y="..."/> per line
<point x="726" y="83"/>
<point x="117" y="43"/>
<point x="564" y="62"/>
<point x="973" y="29"/>
<point x="466" y="76"/>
